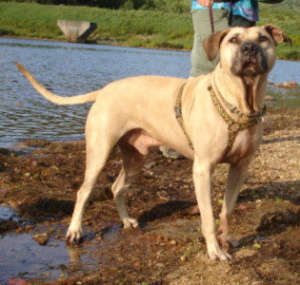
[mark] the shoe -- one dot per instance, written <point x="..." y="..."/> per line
<point x="170" y="153"/>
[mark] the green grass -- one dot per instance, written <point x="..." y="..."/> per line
<point x="288" y="20"/>
<point x="138" y="28"/>
<point x="129" y="27"/>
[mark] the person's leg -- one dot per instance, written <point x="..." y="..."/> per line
<point x="201" y="22"/>
<point x="199" y="62"/>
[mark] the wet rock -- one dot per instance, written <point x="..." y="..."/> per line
<point x="288" y="85"/>
<point x="42" y="239"/>
<point x="6" y="225"/>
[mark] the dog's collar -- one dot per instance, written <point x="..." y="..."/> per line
<point x="234" y="127"/>
<point x="235" y="110"/>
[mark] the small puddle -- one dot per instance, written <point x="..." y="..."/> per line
<point x="23" y="257"/>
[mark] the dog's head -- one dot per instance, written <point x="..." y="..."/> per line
<point x="246" y="51"/>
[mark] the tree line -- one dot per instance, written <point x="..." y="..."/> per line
<point x="112" y="4"/>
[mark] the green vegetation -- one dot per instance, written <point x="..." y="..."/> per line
<point x="139" y="28"/>
<point x="178" y="6"/>
<point x="129" y="27"/>
<point x="288" y="20"/>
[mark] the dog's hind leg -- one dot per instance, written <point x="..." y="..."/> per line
<point x="95" y="162"/>
<point x="132" y="164"/>
<point x="99" y="142"/>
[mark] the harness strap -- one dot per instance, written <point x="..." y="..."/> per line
<point x="234" y="127"/>
<point x="178" y="113"/>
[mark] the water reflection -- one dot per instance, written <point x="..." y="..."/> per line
<point x="23" y="257"/>
<point x="70" y="69"/>
<point x="21" y="252"/>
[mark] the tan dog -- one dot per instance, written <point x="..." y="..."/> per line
<point x="222" y="123"/>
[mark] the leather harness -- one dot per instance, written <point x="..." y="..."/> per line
<point x="234" y="127"/>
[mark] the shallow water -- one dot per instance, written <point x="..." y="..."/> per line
<point x="70" y="69"/>
<point x="23" y="257"/>
<point x="6" y="212"/>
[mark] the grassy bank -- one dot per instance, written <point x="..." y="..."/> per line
<point x="139" y="28"/>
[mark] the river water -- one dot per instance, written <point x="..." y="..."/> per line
<point x="71" y="69"/>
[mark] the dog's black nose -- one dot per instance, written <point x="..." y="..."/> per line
<point x="249" y="49"/>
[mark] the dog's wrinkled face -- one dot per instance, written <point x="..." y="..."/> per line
<point x="245" y="51"/>
<point x="250" y="51"/>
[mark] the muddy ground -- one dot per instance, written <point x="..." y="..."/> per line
<point x="40" y="180"/>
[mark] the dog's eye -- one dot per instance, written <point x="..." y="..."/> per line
<point x="233" y="40"/>
<point x="263" y="39"/>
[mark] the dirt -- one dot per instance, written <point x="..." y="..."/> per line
<point x="40" y="180"/>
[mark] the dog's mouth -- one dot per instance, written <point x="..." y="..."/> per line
<point x="252" y="66"/>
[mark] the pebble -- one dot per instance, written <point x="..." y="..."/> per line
<point x="42" y="239"/>
<point x="149" y="165"/>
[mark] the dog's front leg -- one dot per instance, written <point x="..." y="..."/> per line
<point x="202" y="175"/>
<point x="236" y="177"/>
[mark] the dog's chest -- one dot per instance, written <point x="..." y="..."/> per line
<point x="245" y="144"/>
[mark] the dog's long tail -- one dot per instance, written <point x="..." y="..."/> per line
<point x="79" y="99"/>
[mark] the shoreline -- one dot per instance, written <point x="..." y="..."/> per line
<point x="109" y="43"/>
<point x="30" y="145"/>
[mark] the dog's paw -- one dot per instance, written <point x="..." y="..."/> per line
<point x="227" y="242"/>
<point x="218" y="254"/>
<point x="74" y="237"/>
<point x="130" y="223"/>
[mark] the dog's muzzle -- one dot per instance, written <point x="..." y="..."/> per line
<point x="250" y="60"/>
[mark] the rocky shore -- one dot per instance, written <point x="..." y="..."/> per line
<point x="40" y="180"/>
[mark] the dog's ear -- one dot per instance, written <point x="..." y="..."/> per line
<point x="277" y="34"/>
<point x="212" y="44"/>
